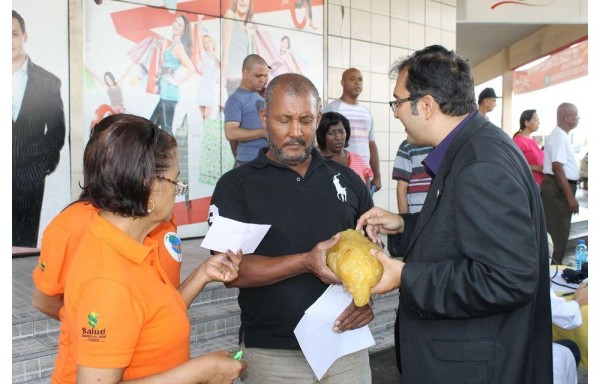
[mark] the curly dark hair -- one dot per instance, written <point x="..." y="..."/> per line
<point x="122" y="158"/>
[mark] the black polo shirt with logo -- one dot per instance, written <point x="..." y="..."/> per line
<point x="302" y="212"/>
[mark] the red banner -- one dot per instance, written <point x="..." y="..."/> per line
<point x="560" y="67"/>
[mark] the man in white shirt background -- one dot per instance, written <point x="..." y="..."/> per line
<point x="362" y="137"/>
<point x="561" y="175"/>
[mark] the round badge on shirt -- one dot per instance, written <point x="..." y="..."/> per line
<point x="173" y="245"/>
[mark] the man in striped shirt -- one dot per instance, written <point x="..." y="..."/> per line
<point x="413" y="180"/>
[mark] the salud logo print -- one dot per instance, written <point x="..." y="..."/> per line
<point x="92" y="319"/>
<point x="341" y="191"/>
<point x="173" y="245"/>
<point x="92" y="333"/>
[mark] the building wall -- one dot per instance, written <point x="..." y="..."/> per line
<point x="371" y="35"/>
<point x="123" y="38"/>
<point x="366" y="34"/>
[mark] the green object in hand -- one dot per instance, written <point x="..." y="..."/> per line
<point x="238" y="355"/>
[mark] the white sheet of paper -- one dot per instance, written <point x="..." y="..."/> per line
<point x="320" y="345"/>
<point x="234" y="235"/>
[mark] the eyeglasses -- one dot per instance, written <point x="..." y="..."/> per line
<point x="394" y="104"/>
<point x="182" y="186"/>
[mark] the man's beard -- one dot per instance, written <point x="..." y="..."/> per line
<point x="291" y="160"/>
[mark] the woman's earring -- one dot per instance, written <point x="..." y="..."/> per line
<point x="151" y="209"/>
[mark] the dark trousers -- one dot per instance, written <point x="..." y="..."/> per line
<point x="163" y="115"/>
<point x="558" y="215"/>
<point x="393" y="243"/>
<point x="397" y="342"/>
<point x="26" y="210"/>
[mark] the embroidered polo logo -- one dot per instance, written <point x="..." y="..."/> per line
<point x="341" y="191"/>
<point x="43" y="266"/>
<point x="173" y="245"/>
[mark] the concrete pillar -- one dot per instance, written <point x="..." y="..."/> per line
<point x="507" y="93"/>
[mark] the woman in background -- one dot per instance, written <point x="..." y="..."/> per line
<point x="287" y="62"/>
<point x="175" y="55"/>
<point x="333" y="134"/>
<point x="207" y="95"/>
<point x="114" y="92"/>
<point x="113" y="88"/>
<point x="120" y="306"/>
<point x="237" y="30"/>
<point x="528" y="124"/>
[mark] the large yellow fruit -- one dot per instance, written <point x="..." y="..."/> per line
<point x="351" y="260"/>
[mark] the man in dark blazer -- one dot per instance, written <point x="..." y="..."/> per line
<point x="38" y="134"/>
<point x="474" y="285"/>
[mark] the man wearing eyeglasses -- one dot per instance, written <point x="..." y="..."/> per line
<point x="474" y="299"/>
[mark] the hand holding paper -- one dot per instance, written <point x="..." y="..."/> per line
<point x="226" y="234"/>
<point x="319" y="343"/>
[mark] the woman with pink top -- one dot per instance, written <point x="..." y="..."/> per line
<point x="333" y="134"/>
<point x="529" y="122"/>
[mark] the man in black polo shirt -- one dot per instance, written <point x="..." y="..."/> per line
<point x="307" y="201"/>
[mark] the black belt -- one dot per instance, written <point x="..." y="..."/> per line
<point x="573" y="182"/>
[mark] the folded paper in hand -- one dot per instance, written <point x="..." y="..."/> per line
<point x="320" y="345"/>
<point x="227" y="234"/>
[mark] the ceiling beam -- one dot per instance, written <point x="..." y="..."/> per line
<point x="539" y="44"/>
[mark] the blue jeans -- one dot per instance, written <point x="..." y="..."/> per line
<point x="163" y="115"/>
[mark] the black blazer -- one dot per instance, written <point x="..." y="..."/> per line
<point x="474" y="299"/>
<point x="39" y="132"/>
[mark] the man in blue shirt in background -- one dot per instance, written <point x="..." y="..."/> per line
<point x="242" y="121"/>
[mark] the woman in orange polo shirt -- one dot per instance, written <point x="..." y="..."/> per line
<point x="125" y="319"/>
<point x="60" y="241"/>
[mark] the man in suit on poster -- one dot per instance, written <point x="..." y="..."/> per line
<point x="474" y="298"/>
<point x="38" y="135"/>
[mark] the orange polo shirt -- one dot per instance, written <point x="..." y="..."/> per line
<point x="169" y="249"/>
<point x="61" y="239"/>
<point x="63" y="234"/>
<point x="120" y="308"/>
